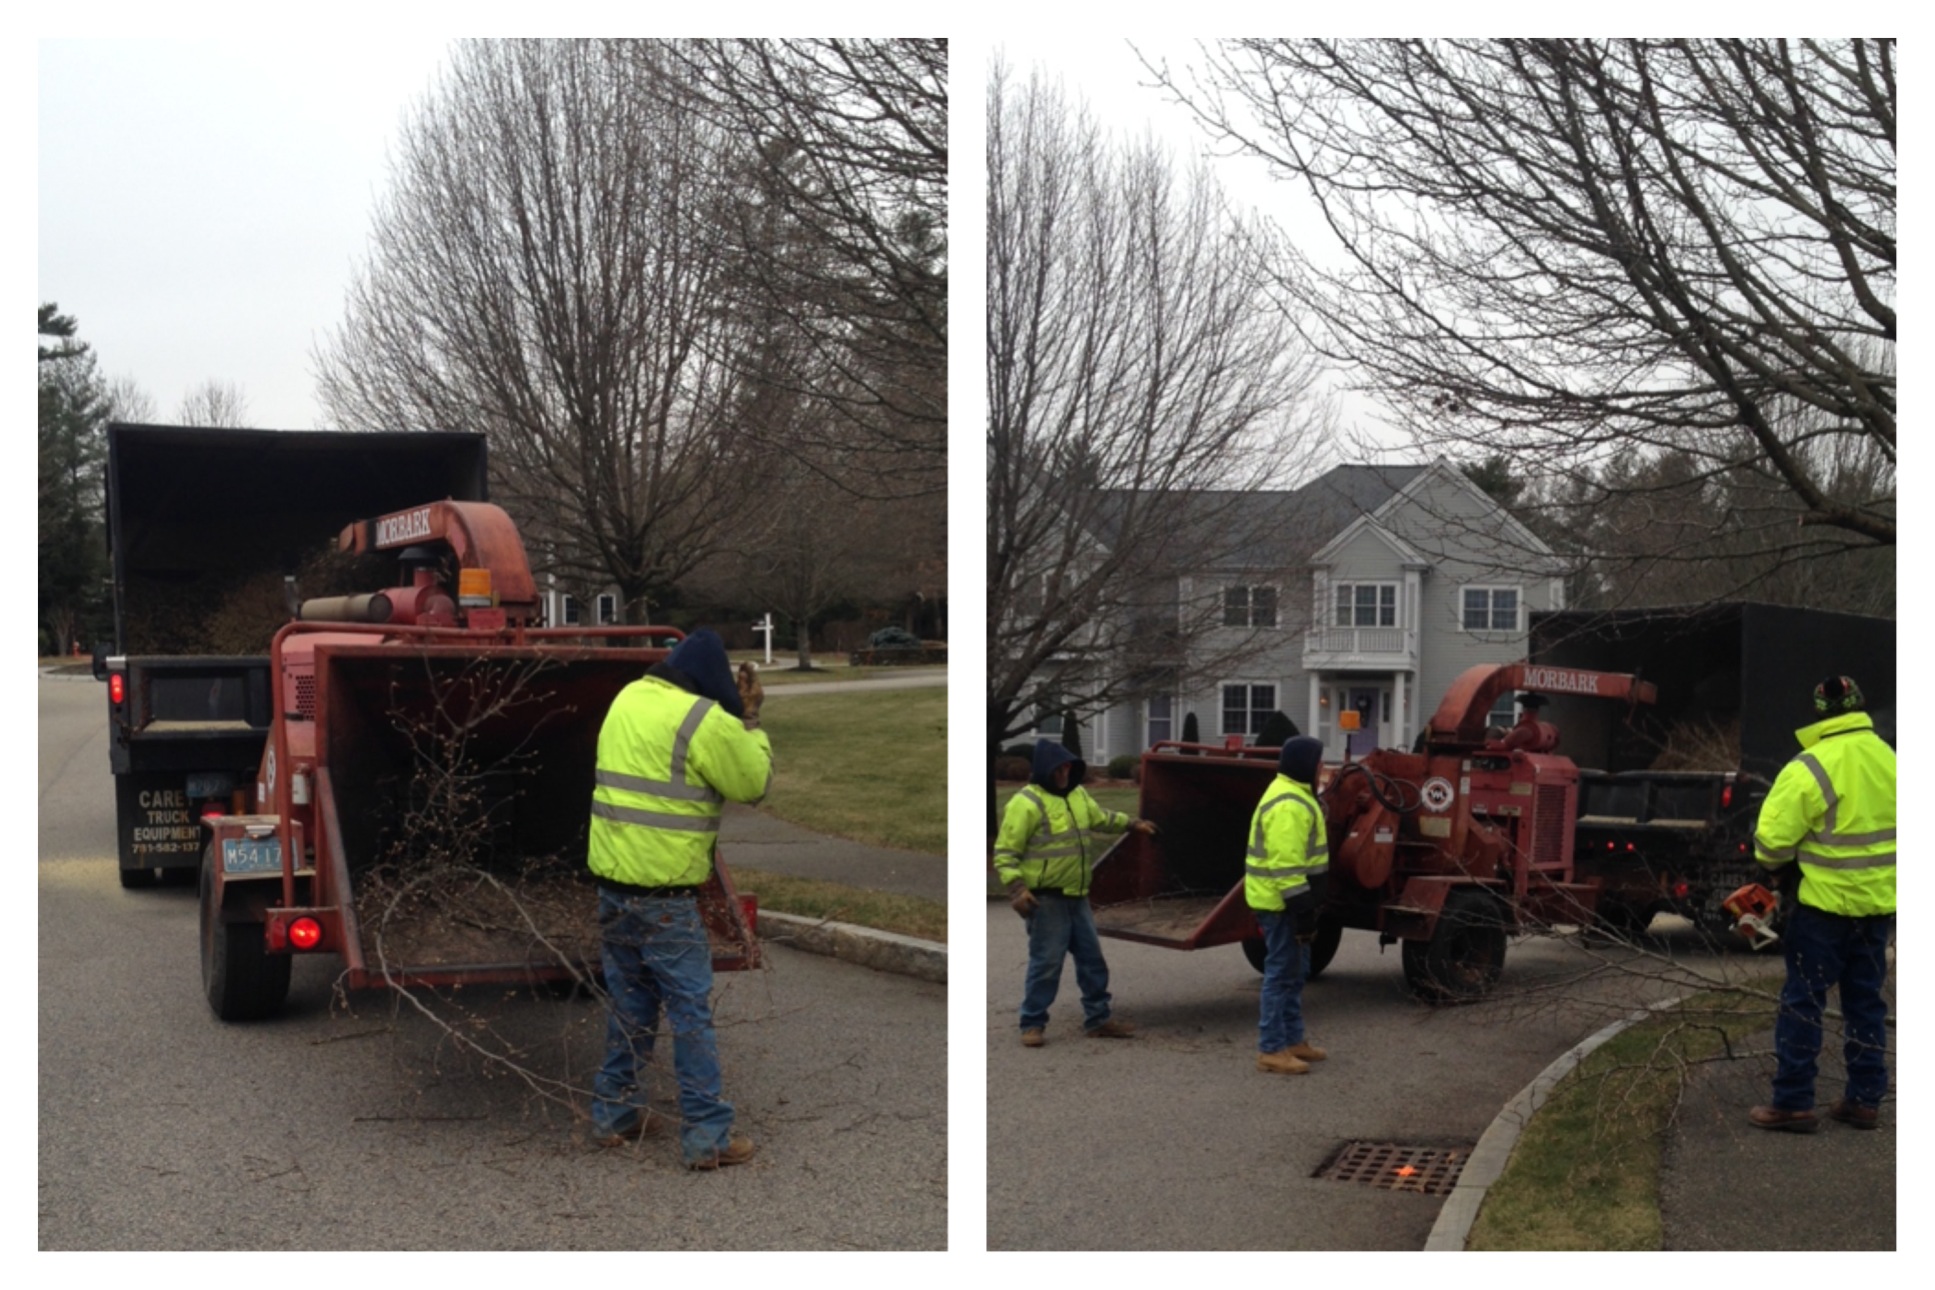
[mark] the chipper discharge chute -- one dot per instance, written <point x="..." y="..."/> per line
<point x="422" y="807"/>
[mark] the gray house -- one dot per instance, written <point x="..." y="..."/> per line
<point x="1373" y="589"/>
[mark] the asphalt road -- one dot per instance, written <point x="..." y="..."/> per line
<point x="1173" y="1140"/>
<point x="360" y="1126"/>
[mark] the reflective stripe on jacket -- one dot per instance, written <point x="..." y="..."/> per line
<point x="668" y="761"/>
<point x="1288" y="843"/>
<point x="1048" y="842"/>
<point x="1833" y="809"/>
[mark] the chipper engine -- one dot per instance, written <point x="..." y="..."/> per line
<point x="421" y="807"/>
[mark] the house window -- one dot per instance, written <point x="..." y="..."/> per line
<point x="607" y="609"/>
<point x="570" y="611"/>
<point x="1247" y="707"/>
<point x="1491" y="609"/>
<point x="1162" y="719"/>
<point x="1367" y="604"/>
<point x="1249" y="606"/>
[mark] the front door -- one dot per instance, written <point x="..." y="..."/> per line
<point x="1372" y="704"/>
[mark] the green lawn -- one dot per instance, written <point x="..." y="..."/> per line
<point x="866" y="766"/>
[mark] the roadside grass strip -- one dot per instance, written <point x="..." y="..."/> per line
<point x="832" y="901"/>
<point x="1585" y="1174"/>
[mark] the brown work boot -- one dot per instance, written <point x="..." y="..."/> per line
<point x="1772" y="1117"/>
<point x="1306" y="1052"/>
<point x="738" y="1150"/>
<point x="1033" y="1038"/>
<point x="1282" y="1062"/>
<point x="648" y="1124"/>
<point x="1112" y="1029"/>
<point x="1860" y="1117"/>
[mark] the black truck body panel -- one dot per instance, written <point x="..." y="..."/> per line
<point x="191" y="513"/>
<point x="1682" y="841"/>
<point x="1752" y="662"/>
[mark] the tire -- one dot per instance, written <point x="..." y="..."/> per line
<point x="1253" y="951"/>
<point x="1462" y="960"/>
<point x="1323" y="947"/>
<point x="137" y="879"/>
<point x="242" y="980"/>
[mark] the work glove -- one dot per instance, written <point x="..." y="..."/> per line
<point x="751" y="692"/>
<point x="1021" y="898"/>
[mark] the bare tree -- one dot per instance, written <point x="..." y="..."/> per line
<point x="843" y="241"/>
<point x="213" y="403"/>
<point x="1574" y="252"/>
<point x="547" y="268"/>
<point x="127" y="401"/>
<point x="1140" y="391"/>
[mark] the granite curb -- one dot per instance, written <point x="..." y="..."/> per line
<point x="865" y="946"/>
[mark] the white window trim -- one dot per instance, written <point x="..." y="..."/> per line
<point x="568" y="613"/>
<point x="607" y="608"/>
<point x="1397" y="602"/>
<point x="1250" y="588"/>
<point x="1221" y="709"/>
<point x="1491" y="589"/>
<point x="1149" y="739"/>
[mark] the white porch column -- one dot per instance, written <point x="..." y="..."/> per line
<point x="1397" y="702"/>
<point x="1313" y="718"/>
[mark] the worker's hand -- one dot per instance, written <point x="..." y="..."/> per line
<point x="751" y="692"/>
<point x="1021" y="898"/>
<point x="1147" y="828"/>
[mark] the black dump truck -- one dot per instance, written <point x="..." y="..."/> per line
<point x="1669" y="793"/>
<point x="212" y="534"/>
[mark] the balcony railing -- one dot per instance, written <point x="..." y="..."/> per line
<point x="1330" y="647"/>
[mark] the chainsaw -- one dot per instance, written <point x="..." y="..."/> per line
<point x="1753" y="909"/>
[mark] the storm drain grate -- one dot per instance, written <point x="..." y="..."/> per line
<point x="1429" y="1171"/>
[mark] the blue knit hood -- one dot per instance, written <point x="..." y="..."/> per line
<point x="1049" y="756"/>
<point x="1300" y="759"/>
<point x="701" y="657"/>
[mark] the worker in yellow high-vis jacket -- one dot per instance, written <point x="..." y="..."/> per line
<point x="1045" y="854"/>
<point x="1284" y="872"/>
<point x="676" y="745"/>
<point x="1831" y="814"/>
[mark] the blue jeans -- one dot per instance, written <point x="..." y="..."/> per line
<point x="1286" y="962"/>
<point x="1064" y="925"/>
<point x="656" y="954"/>
<point x="1826" y="950"/>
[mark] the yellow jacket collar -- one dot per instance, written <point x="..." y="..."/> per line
<point x="1811" y="735"/>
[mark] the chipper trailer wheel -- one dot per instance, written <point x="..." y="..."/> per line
<point x="1323" y="947"/>
<point x="242" y="980"/>
<point x="1462" y="960"/>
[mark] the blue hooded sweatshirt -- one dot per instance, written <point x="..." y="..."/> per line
<point x="699" y="664"/>
<point x="1050" y="757"/>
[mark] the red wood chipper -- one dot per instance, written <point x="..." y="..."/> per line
<point x="421" y="807"/>
<point x="1448" y="849"/>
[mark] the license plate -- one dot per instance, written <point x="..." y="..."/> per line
<point x="218" y="783"/>
<point x="251" y="855"/>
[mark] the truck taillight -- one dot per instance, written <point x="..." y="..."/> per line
<point x="1726" y="797"/>
<point x="117" y="687"/>
<point x="305" y="933"/>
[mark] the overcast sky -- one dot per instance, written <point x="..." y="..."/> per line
<point x="203" y="204"/>
<point x="1108" y="76"/>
